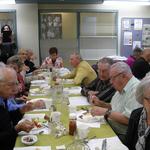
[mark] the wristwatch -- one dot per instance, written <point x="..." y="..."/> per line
<point x="107" y="113"/>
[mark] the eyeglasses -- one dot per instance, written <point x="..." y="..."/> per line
<point x="23" y="53"/>
<point x="10" y="83"/>
<point x="147" y="98"/>
<point x="113" y="77"/>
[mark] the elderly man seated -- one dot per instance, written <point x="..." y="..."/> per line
<point x="100" y="90"/>
<point x="123" y="102"/>
<point x="83" y="74"/>
<point x="8" y="132"/>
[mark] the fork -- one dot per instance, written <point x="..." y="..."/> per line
<point x="86" y="140"/>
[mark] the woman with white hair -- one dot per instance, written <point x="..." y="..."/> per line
<point x="138" y="133"/>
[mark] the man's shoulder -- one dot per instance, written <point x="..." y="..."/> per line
<point x="132" y="83"/>
<point x="135" y="80"/>
<point x="83" y="62"/>
<point x="136" y="113"/>
<point x="140" y="61"/>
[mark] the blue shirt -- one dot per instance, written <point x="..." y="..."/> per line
<point x="11" y="104"/>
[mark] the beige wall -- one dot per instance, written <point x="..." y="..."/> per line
<point x="67" y="43"/>
<point x="27" y="27"/>
<point x="27" y="19"/>
<point x="123" y="11"/>
<point x="6" y="16"/>
<point x="69" y="24"/>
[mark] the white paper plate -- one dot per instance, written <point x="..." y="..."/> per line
<point x="48" y="102"/>
<point x="29" y="139"/>
<point x="38" y="82"/>
<point x="40" y="126"/>
<point x="33" y="148"/>
<point x="87" y="117"/>
<point x="68" y="81"/>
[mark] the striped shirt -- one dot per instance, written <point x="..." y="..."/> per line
<point x="104" y="88"/>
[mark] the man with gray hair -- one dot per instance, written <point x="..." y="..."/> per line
<point x="83" y="74"/>
<point x="141" y="66"/>
<point x="8" y="131"/>
<point x="100" y="90"/>
<point x="123" y="102"/>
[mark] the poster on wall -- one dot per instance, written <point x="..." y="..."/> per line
<point x="136" y="44"/>
<point x="127" y="38"/>
<point x="126" y="24"/>
<point x="138" y="23"/>
<point x="146" y="35"/>
<point x="50" y="26"/>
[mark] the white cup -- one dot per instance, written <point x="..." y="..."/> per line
<point x="82" y="131"/>
<point x="48" y="103"/>
<point x="55" y="116"/>
<point x="72" y="109"/>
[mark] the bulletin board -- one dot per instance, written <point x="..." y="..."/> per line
<point x="135" y="32"/>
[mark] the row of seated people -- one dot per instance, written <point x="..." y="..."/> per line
<point x="119" y="78"/>
<point x="11" y="112"/>
<point x="131" y="95"/>
<point x="139" y="62"/>
<point x="12" y="88"/>
<point x="122" y="103"/>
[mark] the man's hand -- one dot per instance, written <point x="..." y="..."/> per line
<point x="91" y="93"/>
<point x="27" y="107"/>
<point x="24" y="98"/>
<point x="94" y="100"/>
<point x="40" y="104"/>
<point x="24" y="126"/>
<point x="98" y="111"/>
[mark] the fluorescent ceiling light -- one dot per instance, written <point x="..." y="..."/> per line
<point x="7" y="2"/>
<point x="130" y="0"/>
<point x="125" y="2"/>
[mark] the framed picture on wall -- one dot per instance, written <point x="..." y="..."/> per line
<point x="146" y="35"/>
<point x="50" y="26"/>
<point x="126" y="24"/>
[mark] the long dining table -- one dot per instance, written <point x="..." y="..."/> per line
<point x="104" y="131"/>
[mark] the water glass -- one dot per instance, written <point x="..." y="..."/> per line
<point x="72" y="109"/>
<point x="55" y="116"/>
<point x="82" y="131"/>
<point x="77" y="145"/>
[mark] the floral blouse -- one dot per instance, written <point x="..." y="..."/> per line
<point x="48" y="62"/>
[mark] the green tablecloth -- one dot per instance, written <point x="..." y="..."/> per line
<point x="49" y="140"/>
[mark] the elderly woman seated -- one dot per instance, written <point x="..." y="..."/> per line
<point x="53" y="60"/>
<point x="27" y="57"/>
<point x="138" y="133"/>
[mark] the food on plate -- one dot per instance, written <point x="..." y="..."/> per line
<point x="37" y="149"/>
<point x="29" y="139"/>
<point x="46" y="117"/>
<point x="39" y="122"/>
<point x="35" y="90"/>
<point x="87" y="117"/>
